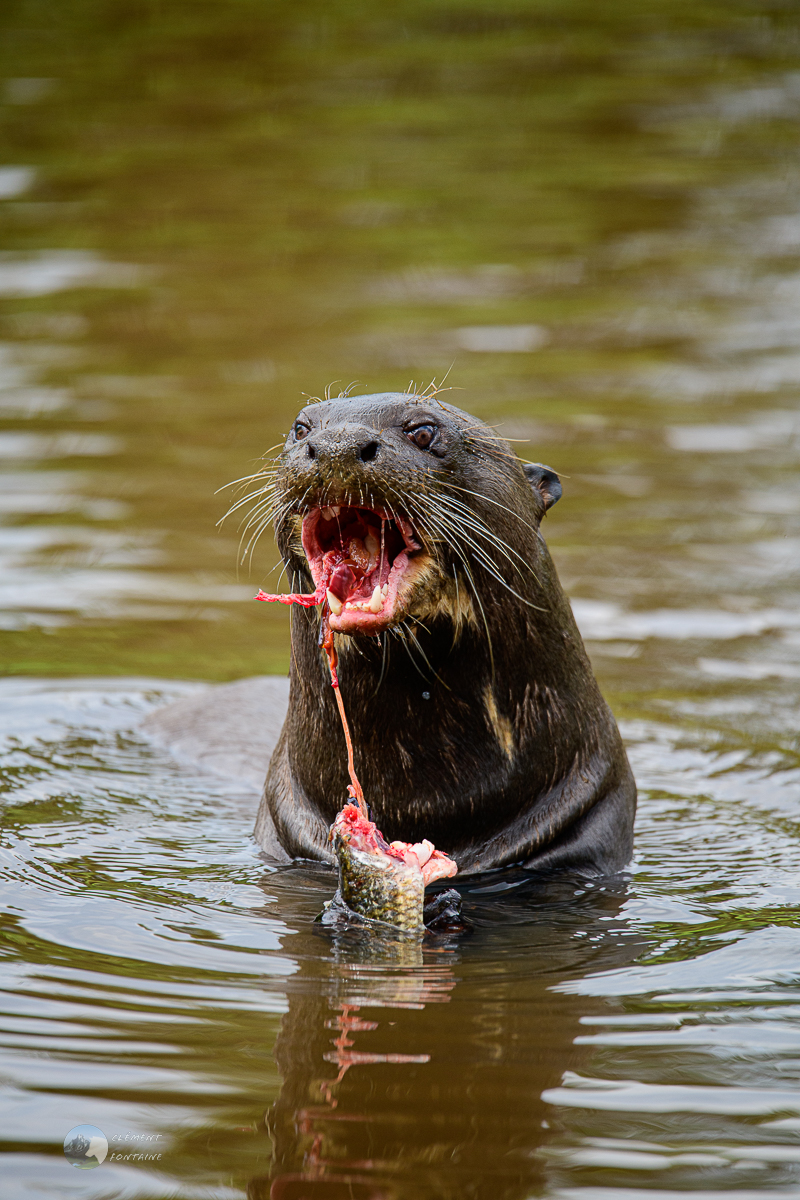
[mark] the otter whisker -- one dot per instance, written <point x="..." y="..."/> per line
<point x="260" y="521"/>
<point x="280" y="563"/>
<point x="463" y="514"/>
<point x="482" y="496"/>
<point x="266" y="500"/>
<point x="240" y="503"/>
<point x="256" y="514"/>
<point x="408" y="634"/>
<point x="257" y="522"/>
<point x="454" y="530"/>
<point x="481" y="531"/>
<point x="483" y="616"/>
<point x="262" y="504"/>
<point x="384" y="661"/>
<point x="276" y="515"/>
<point x="451" y="539"/>
<point x="259" y="474"/>
<point x="268" y="480"/>
<point x="247" y="553"/>
<point x="269" y="501"/>
<point x="483" y="558"/>
<point x="280" y="577"/>
<point x="291" y="505"/>
<point x="250" y="549"/>
<point x="418" y="645"/>
<point x="432" y="390"/>
<point x="489" y="437"/>
<point x="494" y="451"/>
<point x="478" y="526"/>
<point x="457" y="628"/>
<point x="352" y="644"/>
<point x="392" y="512"/>
<point x="264" y="510"/>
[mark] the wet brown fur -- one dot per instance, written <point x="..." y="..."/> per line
<point x="514" y="757"/>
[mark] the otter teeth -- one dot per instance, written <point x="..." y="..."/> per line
<point x="373" y="605"/>
<point x="331" y="513"/>
<point x="376" y="601"/>
<point x="373" y="548"/>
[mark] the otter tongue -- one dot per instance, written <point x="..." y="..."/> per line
<point x="342" y="581"/>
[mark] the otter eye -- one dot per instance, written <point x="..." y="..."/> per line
<point x="300" y="431"/>
<point x="422" y="436"/>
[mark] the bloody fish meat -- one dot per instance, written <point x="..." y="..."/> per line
<point x="382" y="880"/>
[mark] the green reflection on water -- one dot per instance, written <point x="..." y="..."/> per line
<point x="316" y="192"/>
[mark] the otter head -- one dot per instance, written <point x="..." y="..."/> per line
<point x="394" y="503"/>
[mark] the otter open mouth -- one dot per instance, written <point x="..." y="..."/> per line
<point x="363" y="563"/>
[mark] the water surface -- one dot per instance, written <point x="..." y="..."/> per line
<point x="590" y="217"/>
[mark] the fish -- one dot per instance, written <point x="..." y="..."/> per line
<point x="384" y="881"/>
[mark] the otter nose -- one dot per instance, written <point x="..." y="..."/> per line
<point x="343" y="444"/>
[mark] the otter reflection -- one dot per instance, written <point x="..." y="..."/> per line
<point x="417" y="1071"/>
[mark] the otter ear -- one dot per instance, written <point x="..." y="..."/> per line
<point x="546" y="482"/>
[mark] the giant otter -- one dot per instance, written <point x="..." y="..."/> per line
<point x="476" y="718"/>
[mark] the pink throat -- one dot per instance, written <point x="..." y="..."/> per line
<point x="360" y="560"/>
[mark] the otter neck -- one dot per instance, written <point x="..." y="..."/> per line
<point x="429" y="739"/>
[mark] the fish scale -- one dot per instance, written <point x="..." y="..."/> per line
<point x="378" y="887"/>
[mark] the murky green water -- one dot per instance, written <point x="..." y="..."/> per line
<point x="590" y="213"/>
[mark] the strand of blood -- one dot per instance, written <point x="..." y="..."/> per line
<point x="333" y="659"/>
<point x="310" y="600"/>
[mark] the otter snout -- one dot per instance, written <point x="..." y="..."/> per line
<point x="343" y="446"/>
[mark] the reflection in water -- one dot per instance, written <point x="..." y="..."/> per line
<point x="419" y="1071"/>
<point x="50" y="271"/>
<point x="319" y="1128"/>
